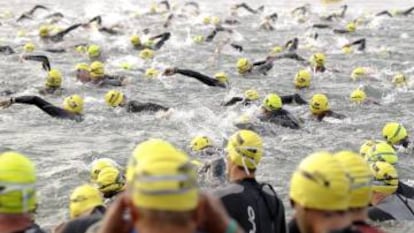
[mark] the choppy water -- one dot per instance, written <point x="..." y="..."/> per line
<point x="63" y="149"/>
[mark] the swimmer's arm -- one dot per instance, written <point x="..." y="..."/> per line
<point x="288" y="99"/>
<point x="344" y="9"/>
<point x="31" y="12"/>
<point x="301" y="8"/>
<point x="237" y="47"/>
<point x="45" y="106"/>
<point x="97" y="19"/>
<point x="408" y="11"/>
<point x="6" y="49"/>
<point x="233" y="101"/>
<point x="321" y="26"/>
<point x="168" y="21"/>
<point x="361" y="42"/>
<point x="200" y="77"/>
<point x="376" y="214"/>
<point x="292" y="44"/>
<point x="259" y="63"/>
<point x="340" y="31"/>
<point x="384" y="13"/>
<point x="164" y="37"/>
<point x="166" y="4"/>
<point x="245" y="6"/>
<point x="56" y="14"/>
<point x="55" y="50"/>
<point x="59" y="36"/>
<point x="273" y="16"/>
<point x="41" y="58"/>
<point x="211" y="36"/>
<point x="286" y="119"/>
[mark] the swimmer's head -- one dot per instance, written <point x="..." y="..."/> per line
<point x="73" y="104"/>
<point x="146" y="54"/>
<point x="319" y="104"/>
<point x="251" y="95"/>
<point x="94" y="51"/>
<point x="302" y="79"/>
<point x="358" y="96"/>
<point x="135" y="40"/>
<point x="272" y="102"/>
<point x="243" y="65"/>
<point x="29" y="47"/>
<point x="358" y="73"/>
<point x="114" y="98"/>
<point x="97" y="70"/>
<point x="44" y="31"/>
<point x="54" y="79"/>
<point x="222" y="77"/>
<point x="151" y="73"/>
<point x="318" y="59"/>
<point x="351" y="27"/>
<point x="200" y="143"/>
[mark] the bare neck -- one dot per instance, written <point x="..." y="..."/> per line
<point x="141" y="228"/>
<point x="240" y="174"/>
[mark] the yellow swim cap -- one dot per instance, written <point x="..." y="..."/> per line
<point x="82" y="66"/>
<point x="251" y="94"/>
<point x="135" y="40"/>
<point x="74" y="104"/>
<point x="216" y="20"/>
<point x="361" y="177"/>
<point x="351" y="27"/>
<point x="152" y="147"/>
<point x="382" y="151"/>
<point x="245" y="149"/>
<point x="110" y="179"/>
<point x="358" y="73"/>
<point x="272" y="102"/>
<point x="198" y="39"/>
<point x="276" y="50"/>
<point x="44" y="31"/>
<point x="318" y="59"/>
<point x="243" y="65"/>
<point x="319" y="104"/>
<point x="385" y="177"/>
<point x="81" y="49"/>
<point x="358" y="96"/>
<point x="200" y="142"/>
<point x="320" y="182"/>
<point x="18" y="178"/>
<point x="347" y="49"/>
<point x="98" y="165"/>
<point x="94" y="51"/>
<point x="83" y="199"/>
<point x="222" y="77"/>
<point x="366" y="147"/>
<point x="54" y="79"/>
<point x="97" y="70"/>
<point x="151" y="73"/>
<point x="394" y="132"/>
<point x="207" y="20"/>
<point x="114" y="98"/>
<point x="165" y="181"/>
<point x="302" y="79"/>
<point x="29" y="47"/>
<point x="146" y="54"/>
<point x="399" y="80"/>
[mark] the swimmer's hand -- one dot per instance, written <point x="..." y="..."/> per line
<point x="170" y="71"/>
<point x="6" y="103"/>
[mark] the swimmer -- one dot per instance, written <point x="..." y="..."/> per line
<point x="319" y="107"/>
<point x="220" y="79"/>
<point x="72" y="106"/>
<point x="116" y="98"/>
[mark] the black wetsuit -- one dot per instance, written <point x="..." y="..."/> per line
<point x="202" y="78"/>
<point x="255" y="206"/>
<point x="163" y="38"/>
<point x="394" y="207"/>
<point x="48" y="108"/>
<point x="82" y="224"/>
<point x="287" y="99"/>
<point x="356" y="227"/>
<point x="293" y="226"/>
<point x="330" y="113"/>
<point x="135" y="106"/>
<point x="405" y="190"/>
<point x="280" y="117"/>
